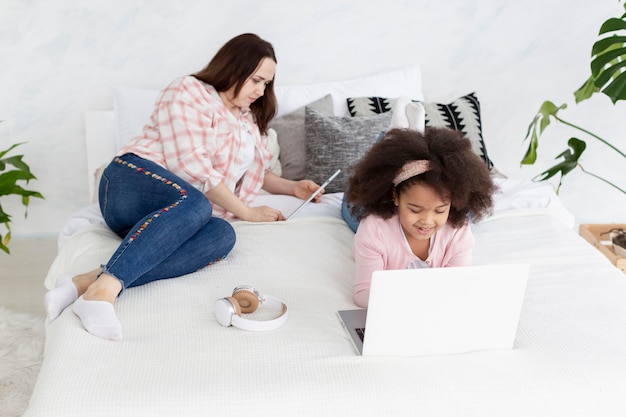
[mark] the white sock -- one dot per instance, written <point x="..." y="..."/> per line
<point x="98" y="318"/>
<point x="63" y="295"/>
<point x="416" y="114"/>
<point x="398" y="116"/>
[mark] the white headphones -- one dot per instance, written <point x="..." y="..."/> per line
<point x="246" y="299"/>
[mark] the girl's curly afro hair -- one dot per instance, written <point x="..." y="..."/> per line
<point x="456" y="173"/>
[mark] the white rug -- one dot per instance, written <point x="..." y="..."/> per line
<point x="21" y="350"/>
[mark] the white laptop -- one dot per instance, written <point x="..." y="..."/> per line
<point x="439" y="311"/>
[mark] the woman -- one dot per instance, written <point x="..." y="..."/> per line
<point x="200" y="161"/>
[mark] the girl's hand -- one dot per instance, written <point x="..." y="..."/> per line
<point x="263" y="214"/>
<point x="304" y="188"/>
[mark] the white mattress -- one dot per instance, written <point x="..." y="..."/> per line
<point x="569" y="357"/>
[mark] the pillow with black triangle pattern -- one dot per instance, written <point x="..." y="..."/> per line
<point x="462" y="114"/>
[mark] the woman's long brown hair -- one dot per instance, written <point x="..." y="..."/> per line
<point x="233" y="64"/>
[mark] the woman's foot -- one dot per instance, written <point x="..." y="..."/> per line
<point x="56" y="300"/>
<point x="95" y="308"/>
<point x="98" y="318"/>
<point x="68" y="288"/>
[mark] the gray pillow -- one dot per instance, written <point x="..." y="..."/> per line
<point x="334" y="142"/>
<point x="290" y="132"/>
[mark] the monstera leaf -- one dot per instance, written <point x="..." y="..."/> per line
<point x="608" y="63"/>
<point x="542" y="120"/>
<point x="570" y="161"/>
<point x="608" y="76"/>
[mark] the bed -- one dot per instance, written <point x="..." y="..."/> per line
<point x="569" y="356"/>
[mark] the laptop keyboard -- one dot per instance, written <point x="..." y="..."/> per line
<point x="361" y="332"/>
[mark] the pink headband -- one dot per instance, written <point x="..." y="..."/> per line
<point x="411" y="169"/>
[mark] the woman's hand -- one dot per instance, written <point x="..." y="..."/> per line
<point x="301" y="189"/>
<point x="263" y="214"/>
<point x="304" y="188"/>
<point x="225" y="198"/>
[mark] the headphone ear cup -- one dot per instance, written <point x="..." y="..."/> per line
<point x="225" y="309"/>
<point x="247" y="301"/>
<point x="235" y="304"/>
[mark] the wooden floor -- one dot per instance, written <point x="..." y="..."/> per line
<point x="22" y="274"/>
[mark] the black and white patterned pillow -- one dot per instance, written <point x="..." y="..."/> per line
<point x="462" y="114"/>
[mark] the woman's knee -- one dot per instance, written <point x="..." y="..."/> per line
<point x="224" y="232"/>
<point x="198" y="207"/>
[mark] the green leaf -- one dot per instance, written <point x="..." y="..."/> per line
<point x="540" y="122"/>
<point x="530" y="157"/>
<point x="609" y="73"/>
<point x="607" y="44"/>
<point x="599" y="63"/>
<point x="586" y="90"/>
<point x="548" y="108"/>
<point x="569" y="163"/>
<point x="17" y="162"/>
<point x="26" y="193"/>
<point x="612" y="24"/>
<point x="4" y="217"/>
<point x="5" y="242"/>
<point x="9" y="186"/>
<point x="608" y="61"/>
<point x="6" y="151"/>
<point x="616" y="90"/>
<point x="8" y="181"/>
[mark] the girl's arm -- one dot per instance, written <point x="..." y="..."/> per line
<point x="455" y="249"/>
<point x="368" y="257"/>
<point x="362" y="297"/>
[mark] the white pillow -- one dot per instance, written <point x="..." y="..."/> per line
<point x="132" y="108"/>
<point x="402" y="82"/>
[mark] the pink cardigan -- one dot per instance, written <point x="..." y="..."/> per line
<point x="379" y="244"/>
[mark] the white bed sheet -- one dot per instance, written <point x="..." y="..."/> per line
<point x="569" y="357"/>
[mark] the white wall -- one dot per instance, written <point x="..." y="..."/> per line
<point x="61" y="58"/>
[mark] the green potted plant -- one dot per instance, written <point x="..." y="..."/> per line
<point x="608" y="76"/>
<point x="13" y="171"/>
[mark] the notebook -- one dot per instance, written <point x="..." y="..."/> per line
<point x="439" y="311"/>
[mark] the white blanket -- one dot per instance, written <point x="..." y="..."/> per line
<point x="514" y="197"/>
<point x="569" y="357"/>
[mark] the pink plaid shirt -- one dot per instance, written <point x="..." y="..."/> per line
<point x="193" y="135"/>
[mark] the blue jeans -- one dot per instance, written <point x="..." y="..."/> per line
<point x="352" y="222"/>
<point x="166" y="224"/>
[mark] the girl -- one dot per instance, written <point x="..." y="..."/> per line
<point x="413" y="195"/>
<point x="201" y="160"/>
